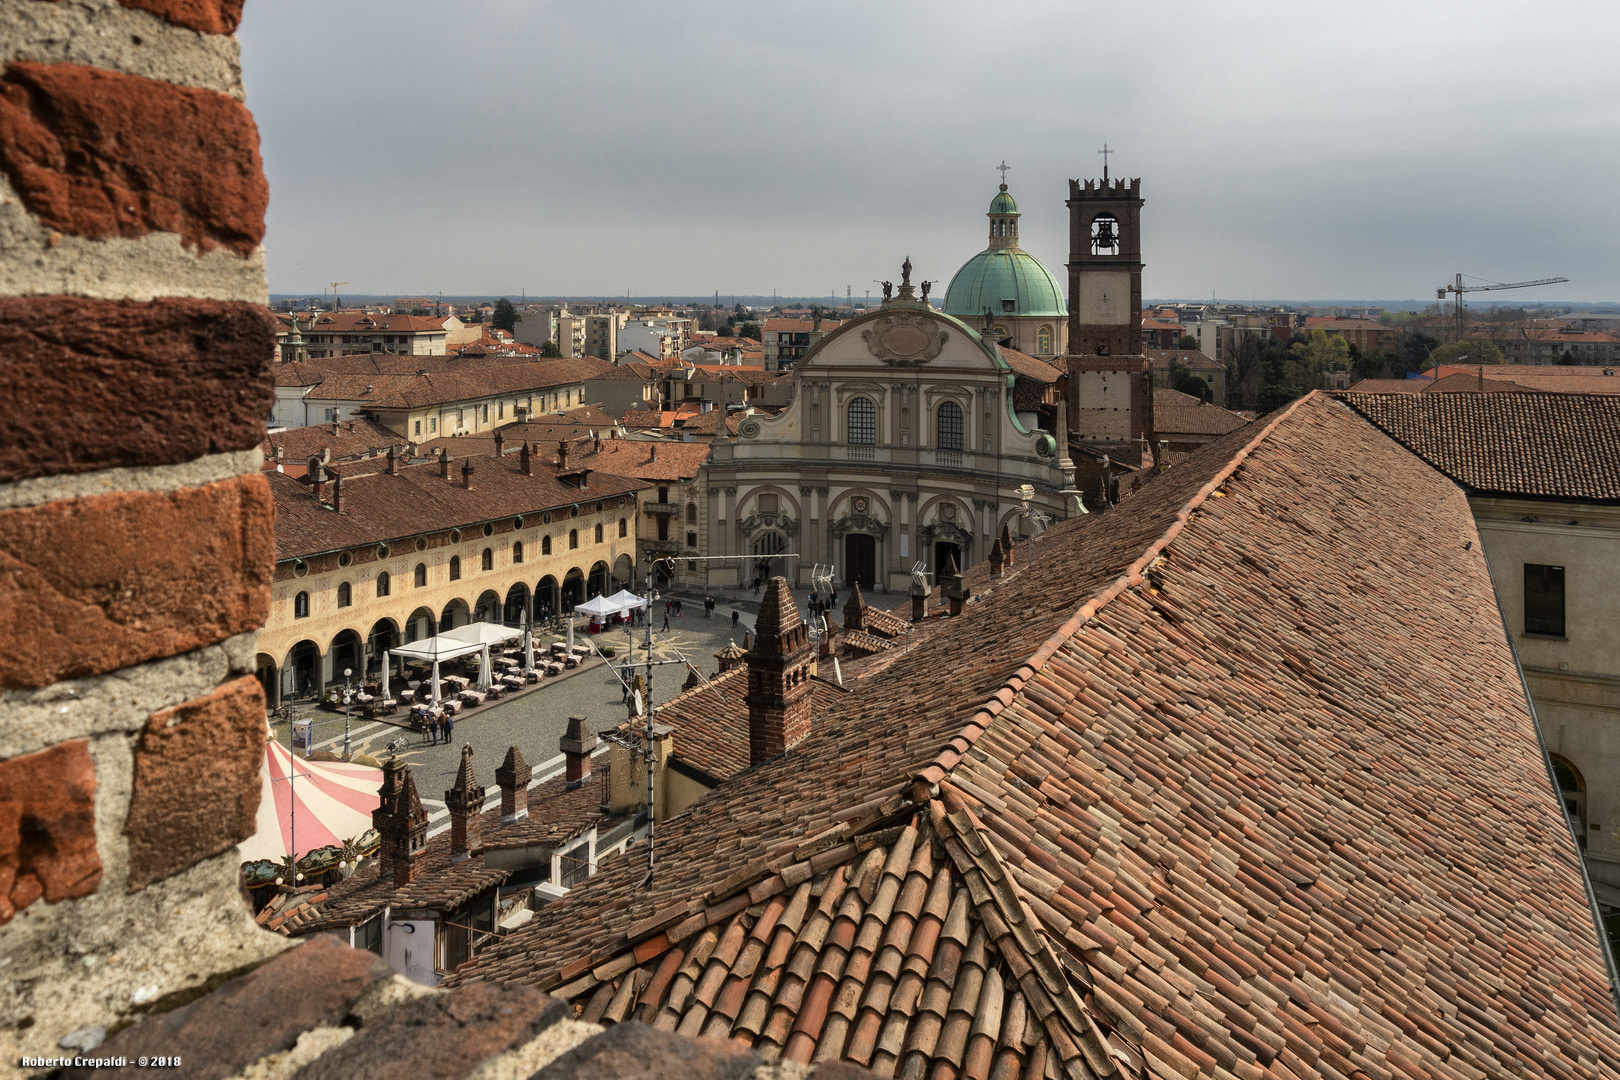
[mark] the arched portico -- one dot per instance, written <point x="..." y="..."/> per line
<point x="265" y="669"/>
<point x="347" y="651"/>
<point x="597" y="585"/>
<point x="573" y="588"/>
<point x="301" y="672"/>
<point x="624" y="573"/>
<point x="421" y="625"/>
<point x="547" y="598"/>
<point x="455" y="614"/>
<point x="488" y="608"/>
<point x="515" y="609"/>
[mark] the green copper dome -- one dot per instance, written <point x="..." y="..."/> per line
<point x="999" y="274"/>
<point x="1003" y="203"/>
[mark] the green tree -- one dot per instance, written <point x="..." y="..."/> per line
<point x="1471" y="351"/>
<point x="1308" y="359"/>
<point x="506" y="316"/>
<point x="1187" y="341"/>
<point x="1273" y="397"/>
<point x="1183" y="380"/>
<point x="750" y="330"/>
<point x="550" y="349"/>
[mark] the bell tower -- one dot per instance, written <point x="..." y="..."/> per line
<point x="1105" y="267"/>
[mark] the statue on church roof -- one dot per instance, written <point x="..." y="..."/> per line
<point x="888" y="289"/>
<point x="905" y="273"/>
<point x="925" y="287"/>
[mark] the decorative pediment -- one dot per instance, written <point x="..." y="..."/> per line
<point x="768" y="519"/>
<point x="905" y="338"/>
<point x="859" y="523"/>
<point x="947" y="532"/>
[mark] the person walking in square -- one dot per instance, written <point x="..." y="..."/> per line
<point x="433" y="729"/>
<point x="666" y="617"/>
<point x="449" y="728"/>
<point x="734" y="617"/>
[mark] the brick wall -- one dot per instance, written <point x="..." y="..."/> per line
<point x="136" y="541"/>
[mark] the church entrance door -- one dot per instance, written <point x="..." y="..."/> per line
<point x="860" y="560"/>
<point x="943" y="548"/>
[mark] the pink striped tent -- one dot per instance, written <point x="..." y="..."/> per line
<point x="333" y="799"/>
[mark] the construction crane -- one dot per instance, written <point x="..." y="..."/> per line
<point x="1459" y="288"/>
<point x="335" y="285"/>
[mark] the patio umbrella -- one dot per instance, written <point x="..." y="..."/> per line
<point x="326" y="802"/>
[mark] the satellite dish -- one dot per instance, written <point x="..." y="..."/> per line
<point x="635" y="703"/>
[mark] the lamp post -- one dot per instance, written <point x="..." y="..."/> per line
<point x="348" y="695"/>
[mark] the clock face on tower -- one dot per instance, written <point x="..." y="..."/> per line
<point x="1105" y="297"/>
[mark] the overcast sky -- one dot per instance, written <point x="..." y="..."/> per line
<point x="1287" y="150"/>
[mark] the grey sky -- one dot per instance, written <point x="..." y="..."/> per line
<point x="1287" y="149"/>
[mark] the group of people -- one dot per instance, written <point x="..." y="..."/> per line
<point x="447" y="727"/>
<point x="819" y="603"/>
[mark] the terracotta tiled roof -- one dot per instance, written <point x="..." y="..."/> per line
<point x="1391" y="386"/>
<point x="1549" y="446"/>
<point x="353" y="438"/>
<point x="556" y="814"/>
<point x="1161" y="396"/>
<point x="372" y="322"/>
<point x="711" y="722"/>
<point x="1171" y="420"/>
<point x="1189" y="814"/>
<point x="865" y="643"/>
<point x="459" y="384"/>
<point x="1029" y="367"/>
<point x="645" y="460"/>
<point x="378" y="506"/>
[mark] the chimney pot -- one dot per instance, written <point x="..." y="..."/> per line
<point x="779" y="702"/>
<point x="402" y="824"/>
<point x="465" y="801"/>
<point x="467" y="474"/>
<point x="513" y="776"/>
<point x="500" y="443"/>
<point x="393" y="462"/>
<point x="576" y="744"/>
<point x="444" y="463"/>
<point x="526" y="460"/>
<point x="562" y="453"/>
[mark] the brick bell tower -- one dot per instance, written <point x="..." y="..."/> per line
<point x="1109" y="388"/>
<point x="778" y="695"/>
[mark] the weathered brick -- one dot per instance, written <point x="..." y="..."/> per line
<point x="260" y="1013"/>
<point x="205" y="16"/>
<point x="99" y="154"/>
<point x="82" y="377"/>
<point x="47" y="827"/>
<point x="638" y="1052"/>
<point x="92" y="585"/>
<point x="441" y="1038"/>
<point x="197" y="781"/>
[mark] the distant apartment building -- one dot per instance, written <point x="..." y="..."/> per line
<point x="1579" y="347"/>
<point x="602" y="333"/>
<point x="340" y="333"/>
<point x="1366" y="335"/>
<point x="788" y="340"/>
<point x="660" y="336"/>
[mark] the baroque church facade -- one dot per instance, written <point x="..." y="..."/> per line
<point x="917" y="435"/>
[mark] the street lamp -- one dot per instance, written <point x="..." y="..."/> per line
<point x="348" y="695"/>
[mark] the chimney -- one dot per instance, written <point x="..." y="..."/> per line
<point x="1007" y="544"/>
<point x="919" y="599"/>
<point x="444" y="463"/>
<point x="402" y="823"/>
<point x="853" y="608"/>
<point x="562" y="453"/>
<point x="693" y="680"/>
<point x="730" y="656"/>
<point x="597" y="440"/>
<point x="576" y="744"/>
<point x="525" y="460"/>
<point x="950" y="584"/>
<point x="998" y="556"/>
<point x="465" y="802"/>
<point x="466" y="474"/>
<point x="277" y="458"/>
<point x="318" y="481"/>
<point x="513" y="776"/>
<point x="337" y="492"/>
<point x="393" y="462"/>
<point x="779" y="705"/>
<point x="652" y="455"/>
<point x="500" y="443"/>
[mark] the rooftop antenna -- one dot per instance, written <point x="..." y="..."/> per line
<point x="1105" y="152"/>
<point x="1037" y="519"/>
<point x="335" y="285"/>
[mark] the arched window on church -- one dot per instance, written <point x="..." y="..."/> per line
<point x="948" y="426"/>
<point x="1043" y="340"/>
<point x="862" y="416"/>
<point x="1105" y="235"/>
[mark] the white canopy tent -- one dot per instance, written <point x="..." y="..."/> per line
<point x="475" y="637"/>
<point x="599" y="607"/>
<point x="629" y="601"/>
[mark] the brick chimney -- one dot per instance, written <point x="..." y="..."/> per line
<point x="402" y="824"/>
<point x="950" y="584"/>
<point x="500" y="443"/>
<point x="779" y="707"/>
<point x="465" y="802"/>
<point x="576" y="745"/>
<point x="1007" y="544"/>
<point x="562" y="453"/>
<point x="526" y="460"/>
<point x="919" y="600"/>
<point x="393" y="462"/>
<point x="467" y="474"/>
<point x="998" y="557"/>
<point x="693" y="680"/>
<point x="853" y="608"/>
<point x="337" y="491"/>
<point x="317" y="475"/>
<point x="444" y="463"/>
<point x="731" y="656"/>
<point x="513" y="776"/>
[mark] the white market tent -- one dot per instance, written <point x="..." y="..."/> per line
<point x="599" y="607"/>
<point x="629" y="601"/>
<point x="475" y="637"/>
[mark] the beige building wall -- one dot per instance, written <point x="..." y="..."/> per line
<point x="414" y="612"/>
<point x="1574" y="680"/>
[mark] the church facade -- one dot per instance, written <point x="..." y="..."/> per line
<point x="904" y="444"/>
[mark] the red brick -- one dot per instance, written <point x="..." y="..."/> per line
<point x="98" y="154"/>
<point x="95" y="584"/>
<point x="47" y="827"/>
<point x="205" y="16"/>
<point x="82" y="376"/>
<point x="196" y="781"/>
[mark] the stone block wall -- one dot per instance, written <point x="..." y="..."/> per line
<point x="136" y="533"/>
